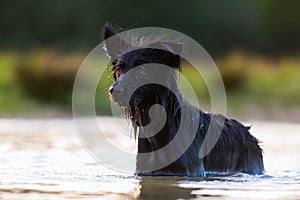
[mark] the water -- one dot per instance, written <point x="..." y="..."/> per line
<point x="44" y="159"/>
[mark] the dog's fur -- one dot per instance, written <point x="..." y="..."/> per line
<point x="236" y="149"/>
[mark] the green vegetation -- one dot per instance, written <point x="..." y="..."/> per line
<point x="268" y="26"/>
<point x="38" y="82"/>
<point x="266" y="86"/>
<point x="32" y="83"/>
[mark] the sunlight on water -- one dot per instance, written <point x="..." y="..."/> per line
<point x="44" y="159"/>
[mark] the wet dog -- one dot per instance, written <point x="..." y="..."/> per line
<point x="235" y="150"/>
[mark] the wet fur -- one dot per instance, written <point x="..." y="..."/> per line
<point x="236" y="149"/>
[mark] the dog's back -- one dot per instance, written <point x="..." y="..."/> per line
<point x="235" y="151"/>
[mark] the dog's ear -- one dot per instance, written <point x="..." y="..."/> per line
<point x="109" y="31"/>
<point x="171" y="52"/>
<point x="175" y="50"/>
<point x="113" y="46"/>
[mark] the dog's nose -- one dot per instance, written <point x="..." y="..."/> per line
<point x="116" y="89"/>
<point x="111" y="89"/>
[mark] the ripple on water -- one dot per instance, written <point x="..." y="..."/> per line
<point x="44" y="159"/>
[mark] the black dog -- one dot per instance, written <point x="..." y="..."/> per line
<point x="236" y="150"/>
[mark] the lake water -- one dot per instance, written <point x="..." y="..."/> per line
<point x="44" y="159"/>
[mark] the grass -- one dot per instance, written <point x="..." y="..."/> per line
<point x="40" y="82"/>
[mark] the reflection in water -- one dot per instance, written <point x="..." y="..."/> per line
<point x="44" y="159"/>
<point x="163" y="188"/>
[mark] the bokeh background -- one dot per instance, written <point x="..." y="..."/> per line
<point x="255" y="44"/>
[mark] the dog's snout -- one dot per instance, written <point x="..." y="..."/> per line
<point x="111" y="89"/>
<point x="116" y="89"/>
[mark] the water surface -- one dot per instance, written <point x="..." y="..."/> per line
<point x="44" y="159"/>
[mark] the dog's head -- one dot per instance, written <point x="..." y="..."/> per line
<point x="131" y="65"/>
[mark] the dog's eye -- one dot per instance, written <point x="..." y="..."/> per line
<point x="118" y="72"/>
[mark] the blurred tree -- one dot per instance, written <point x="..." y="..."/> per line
<point x="270" y="26"/>
<point x="280" y="24"/>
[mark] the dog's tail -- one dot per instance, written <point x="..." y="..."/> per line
<point x="251" y="158"/>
